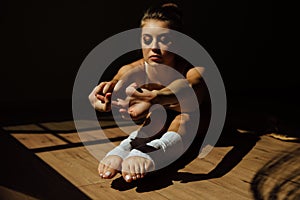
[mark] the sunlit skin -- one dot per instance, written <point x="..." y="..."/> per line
<point x="156" y="40"/>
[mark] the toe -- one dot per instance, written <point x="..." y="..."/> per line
<point x="141" y="172"/>
<point x="101" y="169"/>
<point x="109" y="173"/>
<point x="138" y="176"/>
<point x="127" y="178"/>
<point x="126" y="173"/>
<point x="137" y="171"/>
<point x="105" y="171"/>
<point x="133" y="177"/>
<point x="133" y="172"/>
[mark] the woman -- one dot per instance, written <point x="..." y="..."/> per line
<point x="132" y="155"/>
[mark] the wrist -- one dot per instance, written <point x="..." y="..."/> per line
<point x="164" y="97"/>
<point x="156" y="97"/>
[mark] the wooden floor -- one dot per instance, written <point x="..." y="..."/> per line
<point x="48" y="161"/>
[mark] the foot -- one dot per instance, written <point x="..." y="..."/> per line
<point x="110" y="166"/>
<point x="136" y="167"/>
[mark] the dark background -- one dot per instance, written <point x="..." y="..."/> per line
<point x="43" y="44"/>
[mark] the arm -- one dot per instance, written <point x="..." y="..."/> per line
<point x="100" y="97"/>
<point x="167" y="96"/>
<point x="181" y="88"/>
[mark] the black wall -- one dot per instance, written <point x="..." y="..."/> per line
<point x="43" y="44"/>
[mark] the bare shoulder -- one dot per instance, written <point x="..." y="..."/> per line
<point x="137" y="63"/>
<point x="194" y="74"/>
<point x="134" y="66"/>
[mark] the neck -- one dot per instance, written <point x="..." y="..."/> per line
<point x="160" y="73"/>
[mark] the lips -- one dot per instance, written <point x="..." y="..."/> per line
<point x="155" y="58"/>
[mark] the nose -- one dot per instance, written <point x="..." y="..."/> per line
<point x="155" y="45"/>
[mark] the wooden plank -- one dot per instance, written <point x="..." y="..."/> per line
<point x="205" y="189"/>
<point x="104" y="191"/>
<point x="75" y="164"/>
<point x="38" y="140"/>
<point x="78" y="164"/>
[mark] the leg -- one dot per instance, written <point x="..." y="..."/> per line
<point x="138" y="162"/>
<point x="111" y="164"/>
<point x="179" y="124"/>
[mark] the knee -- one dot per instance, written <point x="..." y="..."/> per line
<point x="179" y="123"/>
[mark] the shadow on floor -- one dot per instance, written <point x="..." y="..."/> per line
<point x="242" y="144"/>
<point x="279" y="178"/>
<point x="24" y="173"/>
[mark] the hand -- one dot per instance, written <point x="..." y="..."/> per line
<point x="141" y="100"/>
<point x="100" y="97"/>
<point x="137" y="103"/>
<point x="132" y="109"/>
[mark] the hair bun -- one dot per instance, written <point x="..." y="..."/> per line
<point x="165" y="12"/>
<point x="170" y="5"/>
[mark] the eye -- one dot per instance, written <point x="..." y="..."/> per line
<point x="165" y="39"/>
<point x="147" y="39"/>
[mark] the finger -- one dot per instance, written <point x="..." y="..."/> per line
<point x="124" y="114"/>
<point x="107" y="87"/>
<point x="99" y="88"/>
<point x="132" y="112"/>
<point x="115" y="103"/>
<point x="100" y="97"/>
<point x="107" y="98"/>
<point x="118" y="85"/>
<point x="120" y="103"/>
<point x="131" y="89"/>
<point x="122" y="110"/>
<point x="123" y="103"/>
<point x="95" y="91"/>
<point x="140" y="93"/>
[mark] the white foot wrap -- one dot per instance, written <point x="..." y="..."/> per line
<point x="170" y="140"/>
<point x="171" y="145"/>
<point x="124" y="148"/>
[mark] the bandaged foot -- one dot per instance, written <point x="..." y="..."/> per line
<point x="110" y="166"/>
<point x="136" y="165"/>
<point x="139" y="162"/>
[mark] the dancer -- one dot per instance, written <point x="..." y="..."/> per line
<point x="133" y="156"/>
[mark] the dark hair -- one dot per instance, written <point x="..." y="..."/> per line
<point x="168" y="12"/>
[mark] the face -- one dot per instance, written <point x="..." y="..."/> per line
<point x="156" y="41"/>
